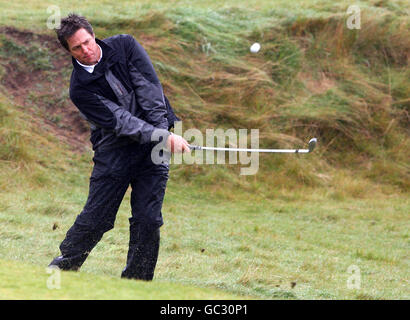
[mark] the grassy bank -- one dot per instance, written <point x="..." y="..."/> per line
<point x="293" y="230"/>
<point x="267" y="249"/>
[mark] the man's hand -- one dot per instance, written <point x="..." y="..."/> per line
<point x="177" y="144"/>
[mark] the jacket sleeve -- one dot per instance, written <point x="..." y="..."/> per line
<point x="103" y="113"/>
<point x="148" y="89"/>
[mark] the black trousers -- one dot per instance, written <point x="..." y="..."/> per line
<point x="114" y="171"/>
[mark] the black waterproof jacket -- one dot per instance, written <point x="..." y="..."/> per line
<point x="122" y="98"/>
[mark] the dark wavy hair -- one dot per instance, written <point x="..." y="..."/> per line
<point x="69" y="25"/>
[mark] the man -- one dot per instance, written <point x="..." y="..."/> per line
<point x="115" y="88"/>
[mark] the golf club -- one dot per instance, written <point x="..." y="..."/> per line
<point x="311" y="147"/>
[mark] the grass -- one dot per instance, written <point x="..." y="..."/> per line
<point x="293" y="230"/>
<point x="23" y="281"/>
<point x="255" y="249"/>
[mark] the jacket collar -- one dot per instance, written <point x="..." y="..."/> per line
<point x="110" y="57"/>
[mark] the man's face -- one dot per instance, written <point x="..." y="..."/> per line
<point x="83" y="47"/>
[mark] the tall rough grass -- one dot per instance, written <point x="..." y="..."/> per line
<point x="312" y="77"/>
<point x="30" y="157"/>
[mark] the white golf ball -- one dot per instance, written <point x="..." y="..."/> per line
<point x="255" y="47"/>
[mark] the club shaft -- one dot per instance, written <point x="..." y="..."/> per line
<point x="251" y="150"/>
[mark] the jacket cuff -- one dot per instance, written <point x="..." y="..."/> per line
<point x="160" y="135"/>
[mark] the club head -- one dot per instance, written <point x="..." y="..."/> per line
<point x="312" y="144"/>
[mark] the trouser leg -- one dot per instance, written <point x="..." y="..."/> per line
<point x="142" y="253"/>
<point x="147" y="195"/>
<point x="97" y="217"/>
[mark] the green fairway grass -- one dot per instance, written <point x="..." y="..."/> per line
<point x="257" y="249"/>
<point x="333" y="224"/>
<point x="29" y="282"/>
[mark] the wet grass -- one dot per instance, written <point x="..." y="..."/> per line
<point x="293" y="230"/>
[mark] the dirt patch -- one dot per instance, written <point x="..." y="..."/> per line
<point x="147" y="40"/>
<point x="44" y="92"/>
<point x="316" y="86"/>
